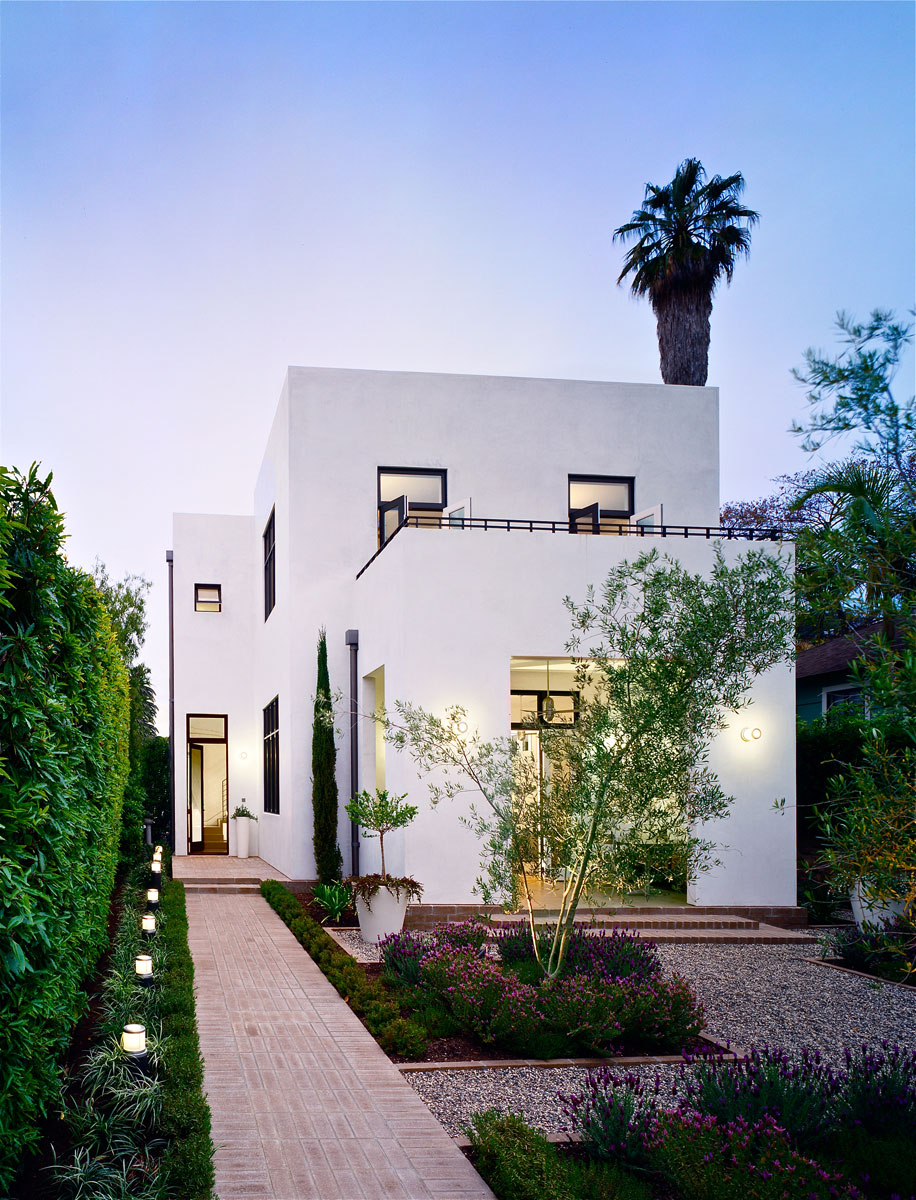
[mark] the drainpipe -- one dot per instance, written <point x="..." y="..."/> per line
<point x="171" y="835"/>
<point x="352" y="640"/>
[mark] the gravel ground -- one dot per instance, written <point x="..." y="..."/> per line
<point x="752" y="994"/>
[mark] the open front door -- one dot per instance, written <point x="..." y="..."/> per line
<point x="208" y="784"/>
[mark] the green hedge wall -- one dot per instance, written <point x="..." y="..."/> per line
<point x="63" y="731"/>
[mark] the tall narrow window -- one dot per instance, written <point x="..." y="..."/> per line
<point x="270" y="567"/>
<point x="409" y="491"/>
<point x="272" y="756"/>
<point x="208" y="597"/>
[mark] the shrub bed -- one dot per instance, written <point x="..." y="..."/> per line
<point x="143" y="1133"/>
<point x="612" y="993"/>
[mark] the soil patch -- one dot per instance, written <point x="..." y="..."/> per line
<point x="320" y="915"/>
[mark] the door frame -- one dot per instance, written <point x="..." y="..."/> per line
<point x="205" y="741"/>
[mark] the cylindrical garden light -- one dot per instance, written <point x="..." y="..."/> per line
<point x="133" y="1043"/>
<point x="152" y="898"/>
<point x="156" y="872"/>
<point x="148" y="924"/>
<point x="143" y="970"/>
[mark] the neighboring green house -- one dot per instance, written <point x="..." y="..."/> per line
<point x="823" y="674"/>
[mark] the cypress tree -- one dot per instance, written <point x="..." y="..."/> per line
<point x="328" y="861"/>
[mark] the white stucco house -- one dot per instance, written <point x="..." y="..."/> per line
<point x="425" y="521"/>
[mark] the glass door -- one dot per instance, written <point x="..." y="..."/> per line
<point x="208" y="785"/>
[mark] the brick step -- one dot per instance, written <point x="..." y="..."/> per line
<point x="249" y="887"/>
<point x="654" y="922"/>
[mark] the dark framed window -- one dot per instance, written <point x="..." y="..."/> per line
<point x="208" y="597"/>
<point x="272" y="756"/>
<point x="599" y="502"/>
<point x="543" y="708"/>
<point x="403" y="491"/>
<point x="270" y="566"/>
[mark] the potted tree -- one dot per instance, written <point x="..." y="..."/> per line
<point x="381" y="900"/>
<point x="243" y="818"/>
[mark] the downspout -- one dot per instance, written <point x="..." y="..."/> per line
<point x="171" y="837"/>
<point x="352" y="640"/>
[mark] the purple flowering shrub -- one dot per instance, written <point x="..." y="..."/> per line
<point x="606" y="954"/>
<point x="403" y="954"/>
<point x="795" y="1089"/>
<point x="709" y="1160"/>
<point x="879" y="1089"/>
<point x="462" y="935"/>
<point x="615" y="1116"/>
<point x="492" y="1006"/>
<point x="601" y="1014"/>
<point x="584" y="1010"/>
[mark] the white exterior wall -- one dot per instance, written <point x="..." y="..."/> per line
<point x="443" y="616"/>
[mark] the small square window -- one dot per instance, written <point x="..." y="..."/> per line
<point x="208" y="597"/>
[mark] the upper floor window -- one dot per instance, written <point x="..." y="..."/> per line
<point x="270" y="567"/>
<point x="409" y="490"/>
<point x="599" y="503"/>
<point x="208" y="597"/>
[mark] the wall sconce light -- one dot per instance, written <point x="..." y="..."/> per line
<point x="143" y="969"/>
<point x="133" y="1043"/>
<point x="244" y="754"/>
<point x="751" y="735"/>
<point x="460" y="725"/>
<point x="148" y="924"/>
<point x="152" y="898"/>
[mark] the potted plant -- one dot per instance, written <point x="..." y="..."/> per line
<point x="381" y="900"/>
<point x="242" y="817"/>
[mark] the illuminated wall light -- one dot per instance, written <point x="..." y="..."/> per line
<point x="244" y="754"/>
<point x="751" y="735"/>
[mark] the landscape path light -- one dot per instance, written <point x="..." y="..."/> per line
<point x="143" y="969"/>
<point x="133" y="1043"/>
<point x="152" y="898"/>
<point x="148" y="924"/>
<point x="156" y="869"/>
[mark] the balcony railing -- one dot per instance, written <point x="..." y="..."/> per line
<point x="518" y="525"/>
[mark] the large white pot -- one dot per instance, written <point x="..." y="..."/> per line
<point x="871" y="908"/>
<point x="384" y="914"/>
<point x="242" y="836"/>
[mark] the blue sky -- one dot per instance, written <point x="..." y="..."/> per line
<point x="197" y="195"/>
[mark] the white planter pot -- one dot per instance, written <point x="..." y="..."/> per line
<point x="870" y="908"/>
<point x="242" y="836"/>
<point x="384" y="914"/>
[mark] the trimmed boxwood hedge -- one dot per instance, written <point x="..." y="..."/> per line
<point x="368" y="999"/>
<point x="187" y="1164"/>
<point x="63" y="729"/>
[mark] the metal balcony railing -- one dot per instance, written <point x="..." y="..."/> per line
<point x="429" y="520"/>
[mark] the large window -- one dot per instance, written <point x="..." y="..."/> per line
<point x="417" y="491"/>
<point x="272" y="756"/>
<point x="270" y="567"/>
<point x="599" y="503"/>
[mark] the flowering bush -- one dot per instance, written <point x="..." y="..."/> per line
<point x="612" y="954"/>
<point x="879" y="1089"/>
<point x="713" y="1161"/>
<point x="462" y="935"/>
<point x="797" y="1090"/>
<point x="584" y="1010"/>
<point x="403" y="954"/>
<point x="492" y="1006"/>
<point x="615" y="1116"/>
<point x="658" y="1012"/>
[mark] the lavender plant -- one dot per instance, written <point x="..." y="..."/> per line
<point x="796" y="1089"/>
<point x="878" y="1091"/>
<point x="403" y="954"/>
<point x="605" y="954"/>
<point x="615" y="1116"/>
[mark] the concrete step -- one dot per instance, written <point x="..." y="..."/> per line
<point x="655" y="921"/>
<point x="247" y="887"/>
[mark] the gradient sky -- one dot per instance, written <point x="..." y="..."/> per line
<point x="197" y="195"/>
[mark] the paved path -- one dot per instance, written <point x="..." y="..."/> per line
<point x="305" y="1105"/>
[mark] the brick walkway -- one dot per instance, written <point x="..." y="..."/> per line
<point x="305" y="1105"/>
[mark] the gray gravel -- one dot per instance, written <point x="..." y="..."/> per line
<point x="752" y="994"/>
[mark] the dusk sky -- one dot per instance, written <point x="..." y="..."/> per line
<point x="195" y="196"/>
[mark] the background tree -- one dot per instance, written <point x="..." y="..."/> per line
<point x="126" y="604"/>
<point x="663" y="656"/>
<point x="325" y="802"/>
<point x="687" y="236"/>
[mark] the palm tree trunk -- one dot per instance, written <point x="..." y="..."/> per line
<point x="683" y="335"/>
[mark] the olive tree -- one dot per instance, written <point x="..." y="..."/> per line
<point x="663" y="656"/>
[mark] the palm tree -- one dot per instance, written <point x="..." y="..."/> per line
<point x="689" y="233"/>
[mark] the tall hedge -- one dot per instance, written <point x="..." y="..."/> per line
<point x="325" y="803"/>
<point x="63" y="731"/>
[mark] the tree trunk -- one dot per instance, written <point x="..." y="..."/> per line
<point x="683" y="335"/>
